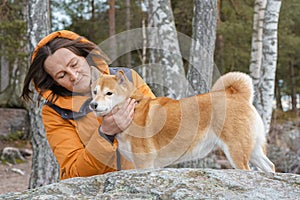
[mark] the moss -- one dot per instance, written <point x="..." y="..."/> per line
<point x="12" y="137"/>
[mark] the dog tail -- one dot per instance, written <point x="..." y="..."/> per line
<point x="235" y="83"/>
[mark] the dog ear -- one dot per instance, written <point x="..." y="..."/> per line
<point x="95" y="73"/>
<point x="121" y="78"/>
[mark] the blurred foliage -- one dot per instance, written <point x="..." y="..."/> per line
<point x="14" y="136"/>
<point x="183" y="14"/>
<point x="94" y="25"/>
<point x="234" y="34"/>
<point x="12" y="30"/>
<point x="13" y="53"/>
<point x="289" y="45"/>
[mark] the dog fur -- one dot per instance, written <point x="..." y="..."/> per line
<point x="165" y="131"/>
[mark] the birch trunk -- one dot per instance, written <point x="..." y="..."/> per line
<point x="257" y="40"/>
<point x="165" y="72"/>
<point x="45" y="169"/>
<point x="201" y="66"/>
<point x="263" y="72"/>
<point x="200" y="72"/>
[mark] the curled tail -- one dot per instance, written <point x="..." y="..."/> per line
<point x="236" y="83"/>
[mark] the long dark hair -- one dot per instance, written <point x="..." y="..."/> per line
<point x="43" y="81"/>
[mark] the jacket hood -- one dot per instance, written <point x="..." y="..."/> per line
<point x="58" y="34"/>
<point x="65" y="102"/>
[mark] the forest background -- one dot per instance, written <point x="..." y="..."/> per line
<point x="90" y="19"/>
<point x="232" y="50"/>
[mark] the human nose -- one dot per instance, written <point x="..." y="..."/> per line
<point x="73" y="74"/>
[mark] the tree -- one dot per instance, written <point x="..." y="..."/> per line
<point x="128" y="60"/>
<point x="112" y="28"/>
<point x="13" y="53"/>
<point x="288" y="69"/>
<point x="200" y="71"/>
<point x="165" y="72"/>
<point x="87" y="18"/>
<point x="264" y="56"/>
<point x="233" y="44"/>
<point x="45" y="169"/>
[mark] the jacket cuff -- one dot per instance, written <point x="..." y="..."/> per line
<point x="109" y="138"/>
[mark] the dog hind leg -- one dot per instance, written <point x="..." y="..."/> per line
<point x="238" y="158"/>
<point x="258" y="154"/>
<point x="260" y="160"/>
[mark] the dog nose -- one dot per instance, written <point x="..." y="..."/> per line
<point x="93" y="105"/>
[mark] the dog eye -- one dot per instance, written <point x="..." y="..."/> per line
<point x="109" y="93"/>
<point x="94" y="92"/>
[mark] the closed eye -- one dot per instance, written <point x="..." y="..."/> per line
<point x="61" y="75"/>
<point x="74" y="63"/>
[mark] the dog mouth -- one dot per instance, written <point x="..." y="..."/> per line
<point x="101" y="113"/>
<point x="97" y="110"/>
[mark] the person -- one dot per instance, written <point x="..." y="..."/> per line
<point x="60" y="71"/>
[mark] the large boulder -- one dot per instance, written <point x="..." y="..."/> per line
<point x="14" y="122"/>
<point x="170" y="183"/>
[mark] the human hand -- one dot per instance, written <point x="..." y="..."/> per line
<point x="118" y="119"/>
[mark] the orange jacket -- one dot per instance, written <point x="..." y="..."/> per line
<point x="76" y="143"/>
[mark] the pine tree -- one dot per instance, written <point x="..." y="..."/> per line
<point x="13" y="53"/>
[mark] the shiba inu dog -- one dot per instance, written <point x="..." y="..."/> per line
<point x="165" y="131"/>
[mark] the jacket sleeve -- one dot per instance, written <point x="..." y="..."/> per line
<point x="141" y="85"/>
<point x="74" y="157"/>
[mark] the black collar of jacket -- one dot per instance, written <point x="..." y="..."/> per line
<point x="69" y="114"/>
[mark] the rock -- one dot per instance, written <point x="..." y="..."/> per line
<point x="284" y="147"/>
<point x="11" y="154"/>
<point x="284" y="159"/>
<point x="14" y="121"/>
<point x="18" y="171"/>
<point x="170" y="183"/>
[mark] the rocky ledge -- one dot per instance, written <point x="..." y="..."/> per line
<point x="171" y="183"/>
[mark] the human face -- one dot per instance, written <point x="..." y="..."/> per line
<point x="69" y="70"/>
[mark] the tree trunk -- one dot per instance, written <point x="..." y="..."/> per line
<point x="292" y="85"/>
<point x="278" y="95"/>
<point x="201" y="66"/>
<point x="128" y="55"/>
<point x="263" y="71"/>
<point x="92" y="20"/>
<point x="165" y="73"/>
<point x="257" y="40"/>
<point x="45" y="169"/>
<point x="4" y="71"/>
<point x="112" y="31"/>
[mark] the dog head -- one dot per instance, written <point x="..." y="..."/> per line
<point x="109" y="91"/>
